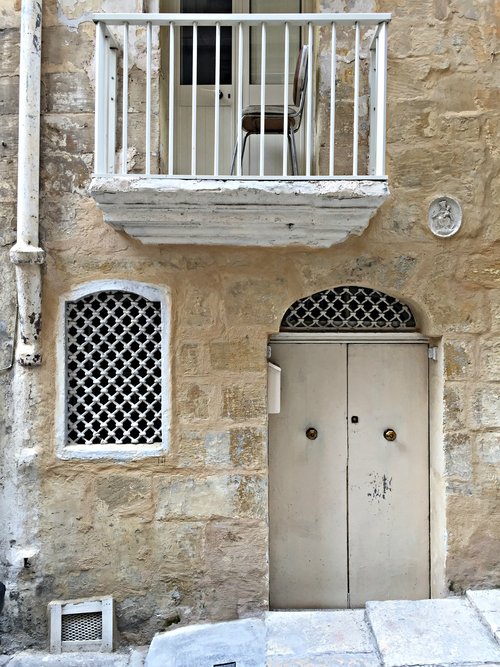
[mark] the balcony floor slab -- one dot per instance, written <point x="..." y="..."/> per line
<point x="238" y="212"/>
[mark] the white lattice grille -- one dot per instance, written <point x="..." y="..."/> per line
<point x="81" y="627"/>
<point x="348" y="308"/>
<point x="113" y="369"/>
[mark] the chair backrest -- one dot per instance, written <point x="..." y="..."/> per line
<point x="300" y="77"/>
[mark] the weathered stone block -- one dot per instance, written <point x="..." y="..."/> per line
<point x="210" y="496"/>
<point x="462" y="125"/>
<point x="411" y="121"/>
<point x="454" y="309"/>
<point x="306" y="634"/>
<point x="458" y="451"/>
<point x="236" y="641"/>
<point x="62" y="172"/>
<point x="441" y="163"/>
<point x="430" y="632"/>
<point x="68" y="505"/>
<point x="483" y="270"/>
<point x="486" y="407"/>
<point x="237" y="356"/>
<point x="9" y="95"/>
<point x="472" y="525"/>
<point x="194" y="402"/>
<point x="458" y="360"/>
<point x="488" y="605"/>
<point x="63" y="51"/>
<point x="495" y="309"/>
<point x="125" y="495"/>
<point x="182" y="497"/>
<point x="490" y="360"/>
<point x="199" y="309"/>
<point x="489" y="447"/>
<point x="7" y="224"/>
<point x="405" y="81"/>
<point x="237" y="549"/>
<point x="188" y="449"/>
<point x="176" y="548"/>
<point x="251" y="300"/>
<point x="250" y="496"/>
<point x="73" y="133"/>
<point x="191" y="359"/>
<point x="9" y="49"/>
<point x="454" y="406"/>
<point x="216" y="447"/>
<point x="248" y="447"/>
<point x="67" y="93"/>
<point x="241" y="403"/>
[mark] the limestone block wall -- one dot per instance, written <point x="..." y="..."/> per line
<point x="183" y="537"/>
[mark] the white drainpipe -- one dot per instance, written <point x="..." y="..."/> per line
<point x="26" y="253"/>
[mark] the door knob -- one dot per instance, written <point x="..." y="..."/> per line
<point x="390" y="434"/>
<point x="311" y="433"/>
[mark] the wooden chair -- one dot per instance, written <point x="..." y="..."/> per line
<point x="274" y="115"/>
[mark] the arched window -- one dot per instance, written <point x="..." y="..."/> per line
<point x="348" y="308"/>
<point x="116" y="371"/>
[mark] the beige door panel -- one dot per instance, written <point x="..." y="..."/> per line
<point x="388" y="498"/>
<point x="307" y="491"/>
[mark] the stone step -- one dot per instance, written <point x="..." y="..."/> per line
<point x="453" y="632"/>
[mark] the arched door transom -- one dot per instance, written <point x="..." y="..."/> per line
<point x="348" y="308"/>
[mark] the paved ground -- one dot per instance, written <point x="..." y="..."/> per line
<point x="456" y="632"/>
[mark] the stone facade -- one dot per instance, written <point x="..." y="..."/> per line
<point x="183" y="537"/>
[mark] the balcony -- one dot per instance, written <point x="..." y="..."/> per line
<point x="210" y="163"/>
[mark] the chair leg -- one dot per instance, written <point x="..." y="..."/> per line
<point x="293" y="152"/>
<point x="235" y="153"/>
<point x="243" y="149"/>
<point x="233" y="161"/>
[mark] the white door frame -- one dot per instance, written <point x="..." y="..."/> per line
<point x="437" y="496"/>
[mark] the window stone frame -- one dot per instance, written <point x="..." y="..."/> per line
<point x="117" y="452"/>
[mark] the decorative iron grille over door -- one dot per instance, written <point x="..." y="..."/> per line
<point x="348" y="308"/>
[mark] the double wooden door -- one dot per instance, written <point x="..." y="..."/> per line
<point x="348" y="475"/>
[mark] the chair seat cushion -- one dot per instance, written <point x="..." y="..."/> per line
<point x="273" y="122"/>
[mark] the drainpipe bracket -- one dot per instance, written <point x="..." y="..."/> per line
<point x="28" y="355"/>
<point x="23" y="253"/>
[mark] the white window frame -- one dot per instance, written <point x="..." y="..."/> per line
<point x="116" y="452"/>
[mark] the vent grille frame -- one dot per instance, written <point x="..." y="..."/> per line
<point x="85" y="624"/>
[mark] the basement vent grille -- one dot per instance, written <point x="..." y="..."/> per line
<point x="348" y="308"/>
<point x="114" y="393"/>
<point x="81" y="627"/>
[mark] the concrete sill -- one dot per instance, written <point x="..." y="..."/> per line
<point x="238" y="212"/>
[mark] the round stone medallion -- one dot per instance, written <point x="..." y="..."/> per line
<point x="445" y="216"/>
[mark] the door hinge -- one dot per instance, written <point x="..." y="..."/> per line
<point x="269" y="351"/>
<point x="432" y="353"/>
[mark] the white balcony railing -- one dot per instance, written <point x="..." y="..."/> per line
<point x="146" y="105"/>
